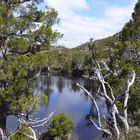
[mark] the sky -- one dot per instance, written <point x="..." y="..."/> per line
<point x="81" y="20"/>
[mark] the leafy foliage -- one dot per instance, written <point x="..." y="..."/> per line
<point x="60" y="126"/>
<point x="18" y="135"/>
<point x="122" y="56"/>
<point x="26" y="35"/>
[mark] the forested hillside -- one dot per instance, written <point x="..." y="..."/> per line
<point x="115" y="66"/>
<point x="112" y="65"/>
<point x="25" y="36"/>
<point x="129" y="33"/>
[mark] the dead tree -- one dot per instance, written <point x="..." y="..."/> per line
<point x="107" y="92"/>
<point x="25" y="119"/>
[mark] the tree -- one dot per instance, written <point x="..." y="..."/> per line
<point x="117" y="77"/>
<point x="102" y="74"/>
<point x="60" y="126"/>
<point x="25" y="36"/>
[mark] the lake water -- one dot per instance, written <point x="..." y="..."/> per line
<point x="64" y="96"/>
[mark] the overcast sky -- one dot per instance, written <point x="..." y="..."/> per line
<point x="82" y="19"/>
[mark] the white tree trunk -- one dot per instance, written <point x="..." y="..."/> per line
<point x="2" y="134"/>
<point x="111" y="98"/>
<point x="111" y="101"/>
<point x="130" y="82"/>
<point x="100" y="127"/>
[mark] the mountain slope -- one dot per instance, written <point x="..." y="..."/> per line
<point x="130" y="32"/>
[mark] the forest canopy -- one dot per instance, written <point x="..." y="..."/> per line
<point x="27" y="47"/>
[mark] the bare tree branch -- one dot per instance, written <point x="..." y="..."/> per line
<point x="2" y="134"/>
<point x="100" y="127"/>
<point x="30" y="123"/>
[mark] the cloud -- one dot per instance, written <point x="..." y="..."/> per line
<point x="78" y="29"/>
<point x="80" y="5"/>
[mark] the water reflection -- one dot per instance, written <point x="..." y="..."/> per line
<point x="60" y="84"/>
<point x="65" y="96"/>
<point x="74" y="87"/>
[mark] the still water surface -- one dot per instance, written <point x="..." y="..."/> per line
<point x="64" y="96"/>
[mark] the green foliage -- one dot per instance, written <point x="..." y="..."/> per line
<point x="138" y="71"/>
<point x="134" y="101"/>
<point x="119" y="45"/>
<point x="132" y="28"/>
<point x="127" y="68"/>
<point x="19" y="136"/>
<point x="60" y="126"/>
<point x="123" y="55"/>
<point x="62" y="59"/>
<point x="128" y="31"/>
<point x="67" y="66"/>
<point x="134" y="134"/>
<point x="27" y="103"/>
<point x="138" y="45"/>
<point x="26" y="35"/>
<point x="127" y="44"/>
<point x="136" y="119"/>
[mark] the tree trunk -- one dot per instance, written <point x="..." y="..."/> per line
<point x="3" y="123"/>
<point x="3" y="127"/>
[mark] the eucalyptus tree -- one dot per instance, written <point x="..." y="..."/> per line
<point x="116" y="69"/>
<point x="114" y="86"/>
<point x="26" y="35"/>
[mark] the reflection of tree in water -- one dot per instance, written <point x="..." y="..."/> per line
<point x="68" y="83"/>
<point x="42" y="81"/>
<point x="48" y="83"/>
<point x="48" y="92"/>
<point x="92" y="115"/>
<point x="74" y="87"/>
<point x="88" y="85"/>
<point x="43" y="85"/>
<point x="91" y="86"/>
<point x="39" y="84"/>
<point x="60" y="84"/>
